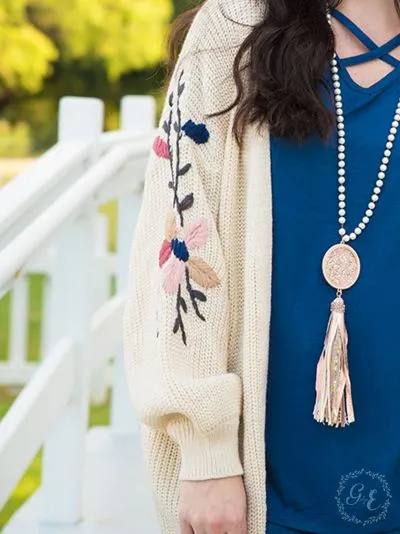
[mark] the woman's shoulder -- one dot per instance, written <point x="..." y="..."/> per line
<point x="211" y="46"/>
<point x="224" y="24"/>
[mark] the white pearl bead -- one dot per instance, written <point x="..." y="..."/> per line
<point x="369" y="213"/>
<point x="377" y="190"/>
<point x="336" y="84"/>
<point x="334" y="69"/>
<point x="353" y="236"/>
<point x="358" y="231"/>
<point x="334" y="61"/>
<point x="379" y="183"/>
<point x="342" y="213"/>
<point x="395" y="124"/>
<point x="346" y="238"/>
<point x="381" y="175"/>
<point x="335" y="78"/>
<point x="371" y="206"/>
<point x="340" y="119"/>
<point x="342" y="172"/>
<point x="387" y="153"/>
<point x="383" y="168"/>
<point x="365" y="220"/>
<point x="338" y="98"/>
<point x="342" y="205"/>
<point x="342" y="141"/>
<point x="361" y="226"/>
<point x="391" y="137"/>
<point x="341" y="148"/>
<point x="342" y="220"/>
<point x="341" y="188"/>
<point x="339" y="111"/>
<point x="393" y="131"/>
<point x="397" y="117"/>
<point x="340" y="126"/>
<point x="341" y="134"/>
<point x="342" y="232"/>
<point x="341" y="155"/>
<point x="385" y="160"/>
<point x="389" y="145"/>
<point x="375" y="198"/>
<point x="342" y="164"/>
<point x="342" y="197"/>
<point x="342" y="180"/>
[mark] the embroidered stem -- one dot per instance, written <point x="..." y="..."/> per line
<point x="177" y="127"/>
<point x="180" y="303"/>
<point x="192" y="295"/>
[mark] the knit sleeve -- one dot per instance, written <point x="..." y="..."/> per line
<point x="176" y="321"/>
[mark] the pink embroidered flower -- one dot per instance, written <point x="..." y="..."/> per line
<point x="175" y="256"/>
<point x="160" y="147"/>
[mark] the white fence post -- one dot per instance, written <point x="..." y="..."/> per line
<point x="99" y="375"/>
<point x="19" y="323"/>
<point x="137" y="113"/>
<point x="69" y="316"/>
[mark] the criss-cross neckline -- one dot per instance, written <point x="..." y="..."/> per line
<point x="375" y="51"/>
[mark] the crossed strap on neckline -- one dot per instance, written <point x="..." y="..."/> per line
<point x="375" y="51"/>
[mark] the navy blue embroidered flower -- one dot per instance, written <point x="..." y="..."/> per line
<point x="197" y="132"/>
<point x="180" y="250"/>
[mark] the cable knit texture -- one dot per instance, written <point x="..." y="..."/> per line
<point x="196" y="323"/>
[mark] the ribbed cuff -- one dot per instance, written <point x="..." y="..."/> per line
<point x="210" y="457"/>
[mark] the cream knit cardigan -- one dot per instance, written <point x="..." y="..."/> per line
<point x="196" y="328"/>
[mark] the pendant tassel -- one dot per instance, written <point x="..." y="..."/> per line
<point x="334" y="403"/>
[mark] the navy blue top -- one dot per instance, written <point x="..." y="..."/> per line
<point x="324" y="480"/>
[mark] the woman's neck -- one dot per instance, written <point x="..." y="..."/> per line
<point x="376" y="17"/>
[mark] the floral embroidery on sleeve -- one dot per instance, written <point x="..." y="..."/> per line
<point x="180" y="266"/>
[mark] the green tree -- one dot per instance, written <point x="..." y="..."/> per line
<point x="118" y="36"/>
<point x="26" y="53"/>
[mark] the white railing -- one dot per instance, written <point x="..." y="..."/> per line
<point x="49" y="224"/>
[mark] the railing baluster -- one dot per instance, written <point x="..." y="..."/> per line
<point x="137" y="113"/>
<point x="19" y="323"/>
<point x="70" y="314"/>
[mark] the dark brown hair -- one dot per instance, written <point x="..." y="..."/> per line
<point x="286" y="56"/>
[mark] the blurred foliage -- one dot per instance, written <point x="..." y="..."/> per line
<point x="98" y="48"/>
<point x="14" y="139"/>
<point x="117" y="36"/>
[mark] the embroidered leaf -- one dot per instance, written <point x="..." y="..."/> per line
<point x="183" y="304"/>
<point x="184" y="169"/>
<point x="187" y="202"/>
<point x="171" y="185"/>
<point x="171" y="99"/>
<point x="174" y="273"/>
<point x="171" y="230"/>
<point x="176" y="126"/>
<point x="181" y="88"/>
<point x="166" y="127"/>
<point x="197" y="132"/>
<point x="160" y="147"/>
<point x="176" y="325"/>
<point x="165" y="252"/>
<point x="201" y="273"/>
<point x="196" y="234"/>
<point x="198" y="295"/>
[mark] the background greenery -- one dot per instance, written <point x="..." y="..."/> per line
<point x="76" y="47"/>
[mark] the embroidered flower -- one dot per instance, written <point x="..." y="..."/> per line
<point x="175" y="256"/>
<point x="160" y="147"/>
<point x="180" y="267"/>
<point x="197" y="132"/>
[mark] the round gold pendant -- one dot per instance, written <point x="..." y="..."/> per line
<point x="341" y="266"/>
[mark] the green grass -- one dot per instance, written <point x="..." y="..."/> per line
<point x="99" y="415"/>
